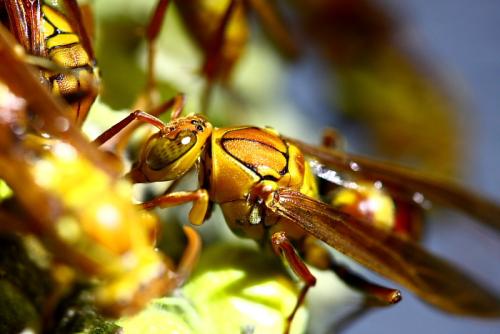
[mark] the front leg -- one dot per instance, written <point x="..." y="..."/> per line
<point x="176" y="103"/>
<point x="198" y="197"/>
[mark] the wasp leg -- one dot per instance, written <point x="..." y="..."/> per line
<point x="124" y="131"/>
<point x="152" y="32"/>
<point x="283" y="247"/>
<point x="212" y="64"/>
<point x="191" y="254"/>
<point x="136" y="115"/>
<point x="176" y="104"/>
<point x="319" y="257"/>
<point x="374" y="295"/>
<point x="380" y="294"/>
<point x="198" y="197"/>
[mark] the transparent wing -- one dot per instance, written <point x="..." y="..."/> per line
<point x="25" y="18"/>
<point x="399" y="259"/>
<point x="407" y="182"/>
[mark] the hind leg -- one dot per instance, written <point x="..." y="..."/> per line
<point x="374" y="295"/>
<point x="283" y="247"/>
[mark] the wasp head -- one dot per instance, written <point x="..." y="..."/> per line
<point x="168" y="154"/>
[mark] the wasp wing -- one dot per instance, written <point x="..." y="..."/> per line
<point x="407" y="182"/>
<point x="25" y="19"/>
<point x="26" y="24"/>
<point x="397" y="258"/>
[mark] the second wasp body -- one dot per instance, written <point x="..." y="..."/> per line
<point x="57" y="34"/>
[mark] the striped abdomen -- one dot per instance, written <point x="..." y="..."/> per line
<point x="78" y="86"/>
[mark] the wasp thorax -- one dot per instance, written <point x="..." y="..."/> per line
<point x="165" y="151"/>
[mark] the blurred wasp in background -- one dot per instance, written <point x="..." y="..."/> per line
<point x="56" y="39"/>
<point x="265" y="186"/>
<point x="221" y="30"/>
<point x="66" y="194"/>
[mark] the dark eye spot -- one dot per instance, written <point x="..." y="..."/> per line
<point x="199" y="128"/>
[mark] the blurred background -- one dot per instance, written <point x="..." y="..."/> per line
<point x="414" y="82"/>
<point x="460" y="39"/>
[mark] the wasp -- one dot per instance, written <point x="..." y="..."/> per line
<point x="66" y="195"/>
<point x="265" y="186"/>
<point x="56" y="39"/>
<point x="221" y="31"/>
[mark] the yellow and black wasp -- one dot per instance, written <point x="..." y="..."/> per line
<point x="56" y="39"/>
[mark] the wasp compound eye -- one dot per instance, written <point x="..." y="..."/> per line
<point x="165" y="151"/>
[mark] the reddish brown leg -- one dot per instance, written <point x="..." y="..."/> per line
<point x="374" y="295"/>
<point x="123" y="137"/>
<point x="136" y="115"/>
<point x="191" y="254"/>
<point x="214" y="54"/>
<point x="152" y="32"/>
<point x="198" y="197"/>
<point x="176" y="103"/>
<point x="381" y="295"/>
<point x="319" y="257"/>
<point x="177" y="107"/>
<point x="283" y="247"/>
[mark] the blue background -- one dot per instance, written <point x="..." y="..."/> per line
<point x="464" y="36"/>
